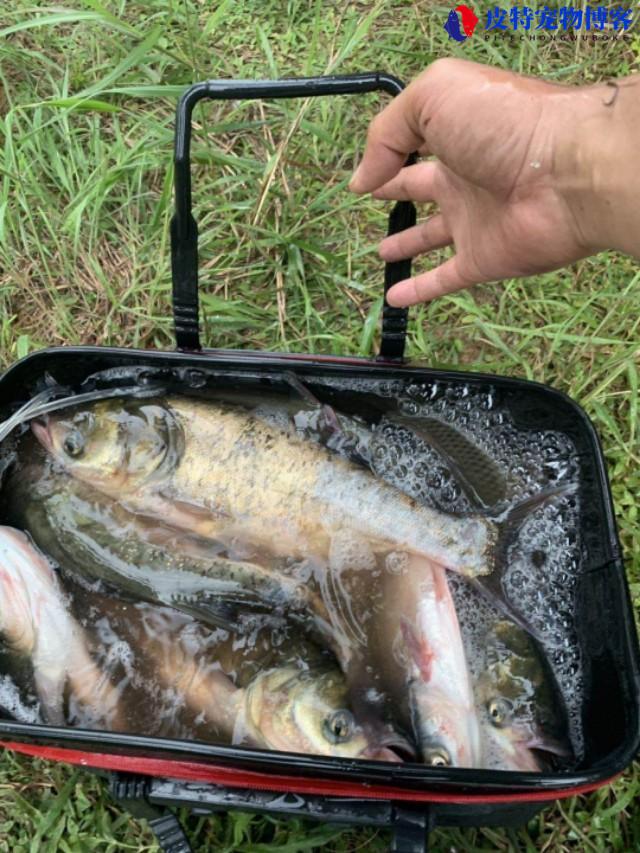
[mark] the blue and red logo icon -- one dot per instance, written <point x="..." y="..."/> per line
<point x="469" y="23"/>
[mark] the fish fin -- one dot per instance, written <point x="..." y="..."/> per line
<point x="205" y="510"/>
<point x="220" y="610"/>
<point x="514" y="516"/>
<point x="509" y="523"/>
<point x="482" y="482"/>
<point x="329" y="425"/>
<point x="419" y="649"/>
<point x="335" y="593"/>
<point x="182" y="515"/>
<point x="301" y="389"/>
<point x="330" y="418"/>
<point x="341" y="600"/>
<point x="511" y="520"/>
<point x="439" y="583"/>
<point x="491" y="588"/>
<point x="332" y="621"/>
<point x="212" y="611"/>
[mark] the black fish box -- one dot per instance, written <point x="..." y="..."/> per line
<point x="148" y="774"/>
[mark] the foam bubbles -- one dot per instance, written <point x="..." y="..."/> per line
<point x="25" y="709"/>
<point x="495" y="465"/>
<point x="543" y="559"/>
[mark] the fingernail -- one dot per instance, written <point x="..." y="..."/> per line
<point x="354" y="183"/>
<point x="401" y="295"/>
<point x="395" y="293"/>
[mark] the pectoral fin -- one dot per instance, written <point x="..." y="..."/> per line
<point x="193" y="518"/>
<point x="218" y="610"/>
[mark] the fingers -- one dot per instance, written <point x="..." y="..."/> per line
<point x="413" y="183"/>
<point x="447" y="278"/>
<point x="393" y="135"/>
<point x="430" y="234"/>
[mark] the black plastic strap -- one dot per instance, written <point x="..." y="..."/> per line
<point x="394" y="320"/>
<point x="132" y="793"/>
<point x="410" y="825"/>
<point x="411" y="828"/>
<point x="170" y="835"/>
<point x="184" y="229"/>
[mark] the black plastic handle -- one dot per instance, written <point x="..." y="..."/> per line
<point x="184" y="229"/>
<point x="410" y="824"/>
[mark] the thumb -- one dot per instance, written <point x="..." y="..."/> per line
<point x="393" y="135"/>
<point x="446" y="278"/>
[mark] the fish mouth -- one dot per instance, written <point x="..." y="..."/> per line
<point x="535" y="739"/>
<point x="40" y="428"/>
<point x="385" y="754"/>
<point x="536" y="752"/>
<point x="391" y="748"/>
<point x="548" y="748"/>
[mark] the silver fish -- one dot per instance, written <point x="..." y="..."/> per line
<point x="35" y="623"/>
<point x="221" y="473"/>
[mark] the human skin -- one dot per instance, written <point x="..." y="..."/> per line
<point x="528" y="176"/>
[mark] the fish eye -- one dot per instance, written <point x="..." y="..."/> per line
<point x="73" y="445"/>
<point x="339" y="726"/>
<point x="500" y="711"/>
<point x="437" y="757"/>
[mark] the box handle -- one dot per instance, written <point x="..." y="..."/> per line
<point x="184" y="229"/>
<point x="410" y="824"/>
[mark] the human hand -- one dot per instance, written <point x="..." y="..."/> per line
<point x="516" y="176"/>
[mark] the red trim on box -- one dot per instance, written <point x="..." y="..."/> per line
<point x="190" y="771"/>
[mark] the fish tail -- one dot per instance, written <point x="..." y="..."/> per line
<point x="514" y="516"/>
<point x="508" y="524"/>
<point x="511" y="521"/>
<point x="216" y="609"/>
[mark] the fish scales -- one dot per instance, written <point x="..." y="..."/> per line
<point x="222" y="473"/>
<point x="294" y="496"/>
<point x="225" y="475"/>
<point x="91" y="536"/>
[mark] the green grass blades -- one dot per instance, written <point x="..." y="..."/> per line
<point x="288" y="262"/>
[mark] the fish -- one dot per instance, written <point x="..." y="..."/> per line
<point x="35" y="623"/>
<point x="221" y="473"/>
<point x="271" y="688"/>
<point x="290" y="709"/>
<point x="92" y="537"/>
<point x="525" y="722"/>
<point x="452" y="27"/>
<point x="382" y="421"/>
<point x="89" y="538"/>
<point x="454" y="711"/>
<point x="288" y="508"/>
<point x="416" y="645"/>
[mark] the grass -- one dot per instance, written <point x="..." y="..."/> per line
<point x="87" y="94"/>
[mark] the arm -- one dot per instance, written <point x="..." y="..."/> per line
<point x="528" y="176"/>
